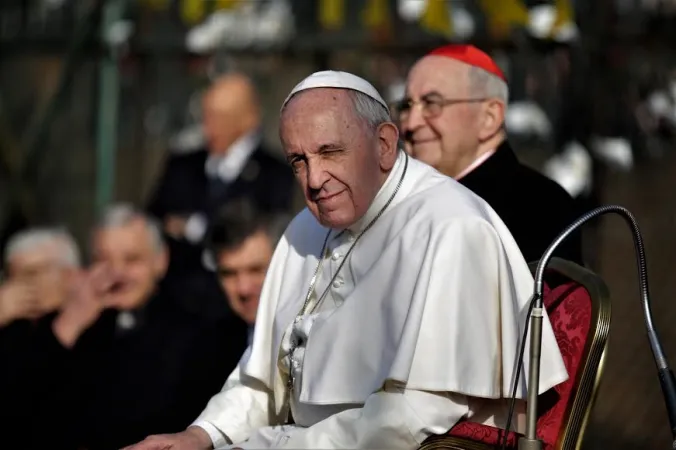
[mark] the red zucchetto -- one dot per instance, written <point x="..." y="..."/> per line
<point x="471" y="55"/>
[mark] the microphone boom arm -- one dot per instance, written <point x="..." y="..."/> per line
<point x="666" y="376"/>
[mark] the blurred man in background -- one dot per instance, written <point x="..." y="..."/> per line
<point x="42" y="266"/>
<point x="144" y="362"/>
<point x="241" y="241"/>
<point x="235" y="163"/>
<point x="453" y="119"/>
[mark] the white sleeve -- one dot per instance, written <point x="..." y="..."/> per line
<point x="234" y="413"/>
<point x="389" y="419"/>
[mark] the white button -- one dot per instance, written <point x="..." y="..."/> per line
<point x="335" y="256"/>
<point x="338" y="283"/>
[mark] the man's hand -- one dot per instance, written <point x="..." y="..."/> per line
<point x="83" y="308"/>
<point x="194" y="438"/>
<point x="18" y="301"/>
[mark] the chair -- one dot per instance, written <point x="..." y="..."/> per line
<point x="578" y="305"/>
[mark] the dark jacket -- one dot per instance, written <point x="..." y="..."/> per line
<point x="35" y="367"/>
<point x="154" y="378"/>
<point x="184" y="189"/>
<point x="534" y="208"/>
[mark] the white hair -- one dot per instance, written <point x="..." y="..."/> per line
<point x="123" y="214"/>
<point x="484" y="84"/>
<point x="35" y="238"/>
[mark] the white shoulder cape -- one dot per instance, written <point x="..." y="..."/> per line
<point x="440" y="299"/>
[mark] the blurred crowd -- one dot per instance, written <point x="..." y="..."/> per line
<point x="135" y="341"/>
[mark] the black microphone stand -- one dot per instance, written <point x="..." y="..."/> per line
<point x="666" y="376"/>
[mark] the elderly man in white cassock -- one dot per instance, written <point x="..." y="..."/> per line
<point x="393" y="305"/>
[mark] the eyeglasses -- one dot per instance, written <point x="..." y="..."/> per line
<point x="432" y="106"/>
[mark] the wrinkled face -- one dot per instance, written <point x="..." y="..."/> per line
<point x="218" y="126"/>
<point x="448" y="141"/>
<point x="43" y="269"/>
<point x="135" y="262"/>
<point x="241" y="272"/>
<point x="338" y="161"/>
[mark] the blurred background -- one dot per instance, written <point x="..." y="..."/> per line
<point x="102" y="101"/>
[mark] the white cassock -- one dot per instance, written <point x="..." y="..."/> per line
<point x="420" y="328"/>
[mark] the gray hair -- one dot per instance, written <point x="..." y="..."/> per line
<point x="484" y="84"/>
<point x="34" y="238"/>
<point x="369" y="109"/>
<point x="123" y="214"/>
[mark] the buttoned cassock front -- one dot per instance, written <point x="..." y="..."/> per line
<point x="420" y="328"/>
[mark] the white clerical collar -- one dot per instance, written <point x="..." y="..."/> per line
<point x="229" y="165"/>
<point x="476" y="163"/>
<point x="383" y="195"/>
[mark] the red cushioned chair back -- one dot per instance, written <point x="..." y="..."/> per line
<point x="569" y="307"/>
<point x="579" y="311"/>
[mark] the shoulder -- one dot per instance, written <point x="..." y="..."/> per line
<point x="440" y="207"/>
<point x="196" y="158"/>
<point x="540" y="184"/>
<point x="269" y="158"/>
<point x="437" y="198"/>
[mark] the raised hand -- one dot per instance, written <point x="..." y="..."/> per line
<point x="90" y="296"/>
<point x="18" y="301"/>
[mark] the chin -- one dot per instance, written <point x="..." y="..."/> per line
<point x="126" y="303"/>
<point x="336" y="222"/>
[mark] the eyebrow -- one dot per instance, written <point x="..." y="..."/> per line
<point x="425" y="95"/>
<point x="431" y="93"/>
<point x="325" y="147"/>
<point x="322" y="148"/>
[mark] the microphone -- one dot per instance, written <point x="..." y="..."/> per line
<point x="665" y="374"/>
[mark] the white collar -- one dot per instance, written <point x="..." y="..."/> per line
<point x="383" y="195"/>
<point x="476" y="163"/>
<point x="229" y="165"/>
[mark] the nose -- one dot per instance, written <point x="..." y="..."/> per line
<point x="245" y="285"/>
<point x="316" y="175"/>
<point x="115" y="267"/>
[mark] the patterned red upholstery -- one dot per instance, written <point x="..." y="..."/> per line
<point x="570" y="313"/>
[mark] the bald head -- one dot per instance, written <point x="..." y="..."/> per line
<point x="230" y="110"/>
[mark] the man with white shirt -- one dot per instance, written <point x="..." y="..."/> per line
<point x="453" y="117"/>
<point x="412" y="287"/>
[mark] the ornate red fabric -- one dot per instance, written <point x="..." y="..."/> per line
<point x="570" y="313"/>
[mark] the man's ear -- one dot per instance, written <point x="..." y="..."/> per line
<point x="388" y="138"/>
<point x="162" y="262"/>
<point x="493" y="118"/>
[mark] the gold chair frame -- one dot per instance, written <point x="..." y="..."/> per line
<point x="585" y="389"/>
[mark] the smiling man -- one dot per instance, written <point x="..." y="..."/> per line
<point x="453" y="119"/>
<point x="144" y="362"/>
<point x="393" y="304"/>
